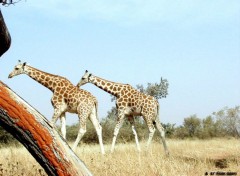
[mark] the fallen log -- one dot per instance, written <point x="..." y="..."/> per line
<point x="35" y="132"/>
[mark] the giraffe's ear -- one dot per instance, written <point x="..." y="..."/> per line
<point x="24" y="64"/>
<point x="90" y="75"/>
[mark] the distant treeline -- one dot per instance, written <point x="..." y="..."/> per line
<point x="224" y="123"/>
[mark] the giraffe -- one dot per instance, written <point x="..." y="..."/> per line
<point x="66" y="98"/>
<point x="130" y="102"/>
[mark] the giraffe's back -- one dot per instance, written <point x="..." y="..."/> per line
<point x="137" y="102"/>
<point x="74" y="97"/>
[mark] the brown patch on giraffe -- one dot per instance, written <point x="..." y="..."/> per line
<point x="98" y="80"/>
<point x="46" y="84"/>
<point x="55" y="98"/>
<point x="119" y="104"/>
<point x="123" y="92"/>
<point x="57" y="89"/>
<point x="42" y="77"/>
<point x="66" y="83"/>
<point x="47" y="78"/>
<point x="129" y="94"/>
<point x="120" y="99"/>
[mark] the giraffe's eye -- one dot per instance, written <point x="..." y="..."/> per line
<point x="16" y="68"/>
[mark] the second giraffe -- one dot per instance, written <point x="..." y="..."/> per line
<point x="130" y="102"/>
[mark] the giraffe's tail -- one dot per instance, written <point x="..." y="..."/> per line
<point x="96" y="108"/>
<point x="157" y="118"/>
<point x="161" y="129"/>
<point x="156" y="121"/>
<point x="158" y="109"/>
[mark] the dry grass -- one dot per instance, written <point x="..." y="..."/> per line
<point x="18" y="162"/>
<point x="187" y="157"/>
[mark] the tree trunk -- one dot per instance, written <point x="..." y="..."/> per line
<point x="34" y="131"/>
<point x="5" y="38"/>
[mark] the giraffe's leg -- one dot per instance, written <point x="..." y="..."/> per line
<point x="151" y="133"/>
<point x="120" y="120"/>
<point x="59" y="108"/>
<point x="57" y="113"/>
<point x="131" y="120"/>
<point x="98" y="128"/>
<point x="63" y="125"/>
<point x="81" y="132"/>
<point x="55" y="117"/>
<point x="151" y="130"/>
<point x="162" y="134"/>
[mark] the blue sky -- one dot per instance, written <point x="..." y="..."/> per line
<point x="193" y="44"/>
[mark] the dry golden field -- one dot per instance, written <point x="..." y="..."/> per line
<point x="187" y="157"/>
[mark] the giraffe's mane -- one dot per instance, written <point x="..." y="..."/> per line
<point x="46" y="73"/>
<point x="110" y="81"/>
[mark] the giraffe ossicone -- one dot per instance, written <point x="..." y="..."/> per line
<point x="66" y="98"/>
<point x="130" y="102"/>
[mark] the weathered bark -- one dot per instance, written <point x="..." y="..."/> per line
<point x="33" y="130"/>
<point x="5" y="38"/>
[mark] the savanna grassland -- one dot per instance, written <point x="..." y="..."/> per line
<point x="187" y="157"/>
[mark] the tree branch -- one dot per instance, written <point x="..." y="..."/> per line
<point x="33" y="130"/>
<point x="8" y="2"/>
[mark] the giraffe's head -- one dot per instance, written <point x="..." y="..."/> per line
<point x="18" y="69"/>
<point x="85" y="79"/>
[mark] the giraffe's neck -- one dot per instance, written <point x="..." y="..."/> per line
<point x="46" y="79"/>
<point x="108" y="86"/>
